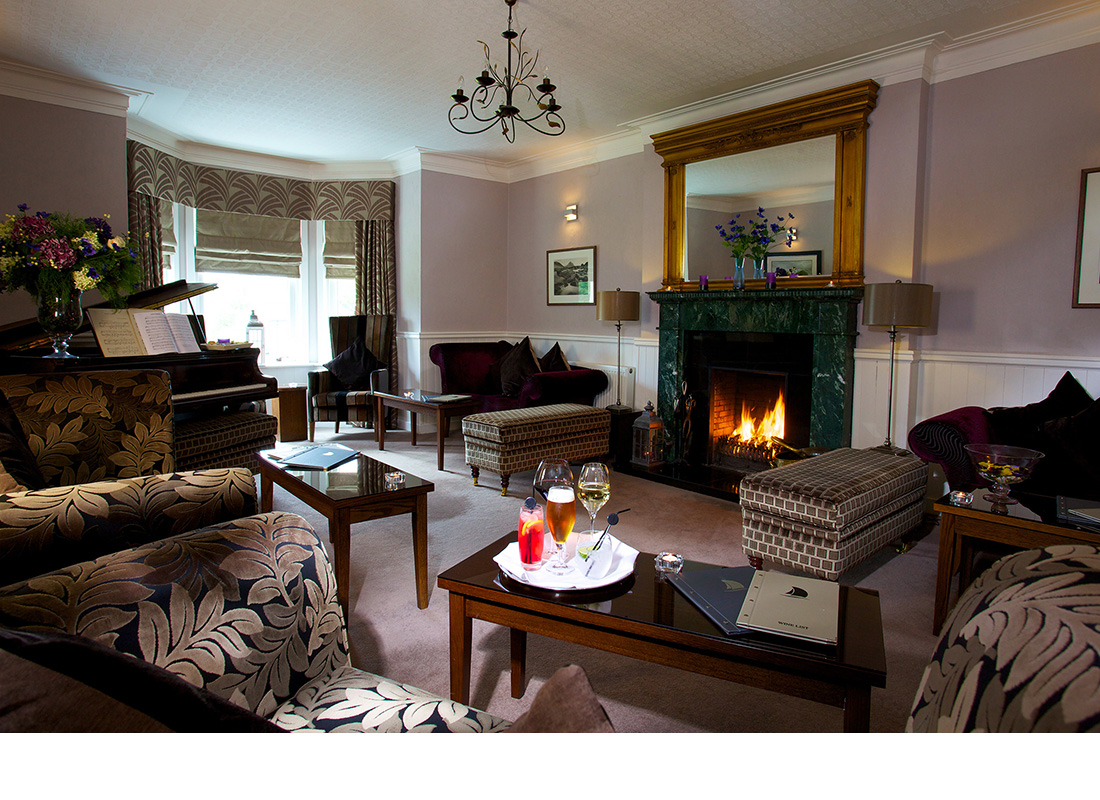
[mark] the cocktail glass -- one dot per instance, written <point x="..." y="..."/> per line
<point x="1002" y="466"/>
<point x="532" y="534"/>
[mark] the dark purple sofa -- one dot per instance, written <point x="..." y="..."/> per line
<point x="473" y="368"/>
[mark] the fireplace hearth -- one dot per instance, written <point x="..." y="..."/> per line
<point x="723" y="352"/>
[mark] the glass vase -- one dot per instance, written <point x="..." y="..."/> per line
<point x="60" y="317"/>
<point x="738" y="273"/>
<point x="758" y="268"/>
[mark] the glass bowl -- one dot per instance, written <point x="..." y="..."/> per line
<point x="1002" y="466"/>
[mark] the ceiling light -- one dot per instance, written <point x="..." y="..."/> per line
<point x="476" y="112"/>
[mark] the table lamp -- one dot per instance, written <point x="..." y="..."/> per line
<point x="622" y="307"/>
<point x="896" y="305"/>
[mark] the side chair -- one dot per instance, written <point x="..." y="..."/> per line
<point x="332" y="399"/>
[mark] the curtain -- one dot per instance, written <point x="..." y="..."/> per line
<point x="248" y="244"/>
<point x="145" y="237"/>
<point x="376" y="277"/>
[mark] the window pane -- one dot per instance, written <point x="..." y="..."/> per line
<point x="275" y="300"/>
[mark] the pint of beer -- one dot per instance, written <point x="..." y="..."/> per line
<point x="561" y="513"/>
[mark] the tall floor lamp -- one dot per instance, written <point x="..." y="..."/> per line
<point x="622" y="307"/>
<point x="896" y="305"/>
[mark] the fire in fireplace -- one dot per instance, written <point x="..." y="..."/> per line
<point x="748" y="414"/>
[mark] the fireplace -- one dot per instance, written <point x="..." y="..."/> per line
<point x="784" y="356"/>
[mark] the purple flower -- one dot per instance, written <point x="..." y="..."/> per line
<point x="100" y="226"/>
<point x="57" y="253"/>
<point x="23" y="207"/>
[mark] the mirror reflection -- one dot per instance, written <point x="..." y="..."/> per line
<point x="796" y="178"/>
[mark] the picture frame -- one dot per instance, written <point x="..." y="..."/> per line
<point x="1086" y="270"/>
<point x="804" y="262"/>
<point x="571" y="277"/>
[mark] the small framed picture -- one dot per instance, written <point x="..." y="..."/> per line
<point x="571" y="277"/>
<point x="806" y="262"/>
<point x="1086" y="273"/>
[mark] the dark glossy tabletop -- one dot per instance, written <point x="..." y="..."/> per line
<point x="363" y="476"/>
<point x="1030" y="508"/>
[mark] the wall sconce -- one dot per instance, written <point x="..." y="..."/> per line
<point x="793" y="232"/>
<point x="571" y="212"/>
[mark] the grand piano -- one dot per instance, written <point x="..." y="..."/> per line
<point x="217" y="395"/>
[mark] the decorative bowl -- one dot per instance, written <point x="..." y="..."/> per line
<point x="1002" y="466"/>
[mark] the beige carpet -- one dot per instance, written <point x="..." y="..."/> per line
<point x="390" y="636"/>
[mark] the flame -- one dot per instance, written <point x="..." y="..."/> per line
<point x="751" y="430"/>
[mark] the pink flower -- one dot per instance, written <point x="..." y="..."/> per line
<point x="30" y="229"/>
<point x="57" y="253"/>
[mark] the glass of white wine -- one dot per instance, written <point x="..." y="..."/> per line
<point x="594" y="489"/>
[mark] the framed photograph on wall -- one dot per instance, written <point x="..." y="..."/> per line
<point x="805" y="262"/>
<point x="1086" y="273"/>
<point x="571" y="277"/>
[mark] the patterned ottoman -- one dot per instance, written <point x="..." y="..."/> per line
<point x="516" y="440"/>
<point x="830" y="512"/>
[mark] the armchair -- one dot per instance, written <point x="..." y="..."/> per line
<point x="238" y="616"/>
<point x="331" y="399"/>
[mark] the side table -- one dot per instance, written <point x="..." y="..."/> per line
<point x="290" y="410"/>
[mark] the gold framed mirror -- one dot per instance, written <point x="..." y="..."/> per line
<point x="841" y="113"/>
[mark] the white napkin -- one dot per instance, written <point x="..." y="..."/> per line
<point x="620" y="563"/>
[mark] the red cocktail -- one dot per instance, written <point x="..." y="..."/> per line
<point x="532" y="536"/>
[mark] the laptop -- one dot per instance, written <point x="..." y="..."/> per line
<point x="319" y="456"/>
<point x="792" y="605"/>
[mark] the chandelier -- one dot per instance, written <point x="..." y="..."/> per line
<point x="477" y="114"/>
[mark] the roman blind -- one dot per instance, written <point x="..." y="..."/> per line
<point x="246" y="243"/>
<point x="340" y="249"/>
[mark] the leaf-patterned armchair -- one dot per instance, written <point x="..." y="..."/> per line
<point x="247" y="612"/>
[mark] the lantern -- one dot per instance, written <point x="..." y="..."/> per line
<point x="254" y="335"/>
<point x="649" y="438"/>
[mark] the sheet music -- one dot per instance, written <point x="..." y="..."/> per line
<point x="156" y="335"/>
<point x="183" y="333"/>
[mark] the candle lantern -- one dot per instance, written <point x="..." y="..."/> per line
<point x="254" y="335"/>
<point x="649" y="438"/>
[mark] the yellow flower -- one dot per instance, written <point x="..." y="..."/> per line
<point x="83" y="280"/>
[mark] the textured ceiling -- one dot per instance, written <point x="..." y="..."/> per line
<point x="363" y="80"/>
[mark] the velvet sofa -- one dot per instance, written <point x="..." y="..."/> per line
<point x="1064" y="426"/>
<point x="504" y="376"/>
<point x="234" y="627"/>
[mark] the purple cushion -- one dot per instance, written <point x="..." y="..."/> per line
<point x="469" y="367"/>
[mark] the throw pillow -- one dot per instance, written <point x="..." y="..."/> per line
<point x="354" y="366"/>
<point x="554" y="360"/>
<point x="15" y="454"/>
<point x="564" y="704"/>
<point x="518" y="364"/>
<point x="1020" y="426"/>
<point x="1069" y="445"/>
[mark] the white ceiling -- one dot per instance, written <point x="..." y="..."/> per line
<point x="365" y="80"/>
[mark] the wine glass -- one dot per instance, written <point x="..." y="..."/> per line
<point x="594" y="489"/>
<point x="554" y="481"/>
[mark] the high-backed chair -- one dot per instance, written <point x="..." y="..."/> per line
<point x="334" y="400"/>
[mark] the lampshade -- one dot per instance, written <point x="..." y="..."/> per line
<point x="897" y="305"/>
<point x="617" y="305"/>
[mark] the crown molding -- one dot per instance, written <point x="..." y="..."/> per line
<point x="44" y="86"/>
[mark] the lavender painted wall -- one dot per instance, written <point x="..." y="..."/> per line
<point x="463" y="257"/>
<point x="1005" y="153"/>
<point x="59" y="159"/>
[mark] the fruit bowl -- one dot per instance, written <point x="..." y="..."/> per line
<point x="1002" y="466"/>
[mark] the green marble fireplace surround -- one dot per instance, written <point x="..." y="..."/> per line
<point x="826" y="314"/>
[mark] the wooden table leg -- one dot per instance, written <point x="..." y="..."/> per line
<point x="380" y="423"/>
<point x="267" y="493"/>
<point x="945" y="569"/>
<point x="440" y="436"/>
<point x="857" y="709"/>
<point x="420" y="549"/>
<point x="461" y="646"/>
<point x="518" y="641"/>
<point x="412" y="416"/>
<point x="339" y="533"/>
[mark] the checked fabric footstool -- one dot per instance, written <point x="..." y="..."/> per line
<point x="518" y="439"/>
<point x="830" y="512"/>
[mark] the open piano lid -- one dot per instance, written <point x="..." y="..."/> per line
<point x="28" y="334"/>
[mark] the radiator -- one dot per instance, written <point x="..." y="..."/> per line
<point x="607" y="396"/>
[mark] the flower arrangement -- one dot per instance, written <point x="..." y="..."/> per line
<point x="754" y="237"/>
<point x="51" y="254"/>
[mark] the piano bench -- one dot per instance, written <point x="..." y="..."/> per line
<point x="224" y="440"/>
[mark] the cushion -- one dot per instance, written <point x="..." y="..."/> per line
<point x="564" y="704"/>
<point x="1070" y="446"/>
<point x="554" y="360"/>
<point x="354" y="366"/>
<point x="1019" y="427"/>
<point x="15" y="454"/>
<point x="518" y="364"/>
<point x="8" y="484"/>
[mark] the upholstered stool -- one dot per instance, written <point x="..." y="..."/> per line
<point x="224" y="440"/>
<point x="513" y="441"/>
<point x="830" y="512"/>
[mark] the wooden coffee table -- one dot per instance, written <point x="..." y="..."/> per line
<point x="648" y="619"/>
<point x="419" y="402"/>
<point x="1025" y="525"/>
<point x="354" y="492"/>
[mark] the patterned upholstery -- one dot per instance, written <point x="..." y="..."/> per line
<point x="942" y="440"/>
<point x="513" y="441"/>
<point x="826" y="514"/>
<point x="246" y="610"/>
<point x="329" y="399"/>
<point x="93" y="426"/>
<point x="49" y="528"/>
<point x="1020" y="651"/>
<point x="221" y="441"/>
